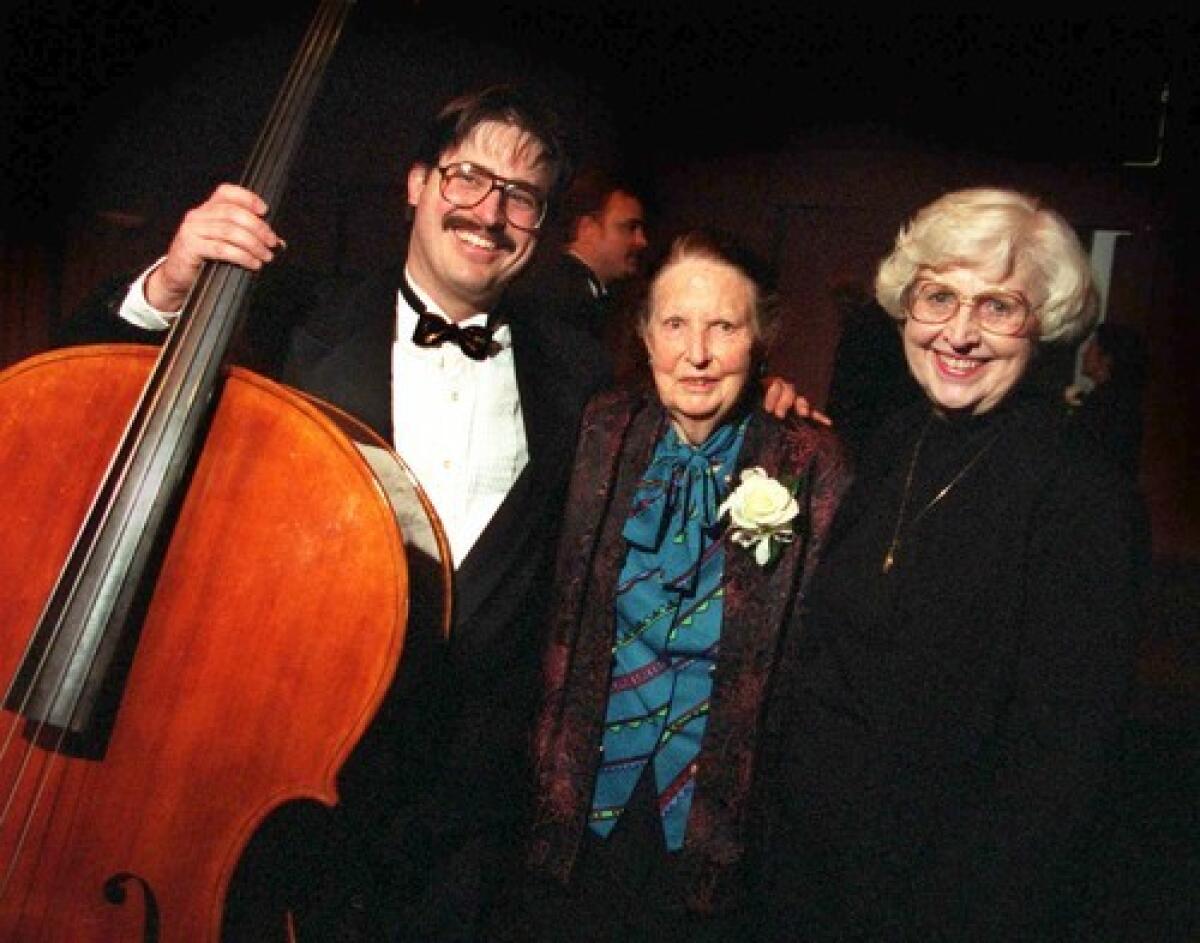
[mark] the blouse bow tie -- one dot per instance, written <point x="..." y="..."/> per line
<point x="675" y="506"/>
<point x="476" y="342"/>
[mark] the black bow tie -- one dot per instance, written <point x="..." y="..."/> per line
<point x="433" y="330"/>
<point x="476" y="342"/>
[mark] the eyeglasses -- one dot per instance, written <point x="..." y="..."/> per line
<point x="997" y="312"/>
<point x="466" y="185"/>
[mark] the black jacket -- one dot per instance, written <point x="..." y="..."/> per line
<point x="445" y="762"/>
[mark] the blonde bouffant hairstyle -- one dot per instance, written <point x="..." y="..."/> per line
<point x="996" y="233"/>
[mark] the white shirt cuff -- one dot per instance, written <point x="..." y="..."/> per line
<point x="139" y="312"/>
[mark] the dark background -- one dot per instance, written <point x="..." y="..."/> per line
<point x="656" y="80"/>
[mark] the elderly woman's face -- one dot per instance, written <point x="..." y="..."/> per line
<point x="961" y="367"/>
<point x="700" y="334"/>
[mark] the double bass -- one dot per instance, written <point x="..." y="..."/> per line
<point x="204" y="595"/>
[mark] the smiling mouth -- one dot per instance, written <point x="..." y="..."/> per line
<point x="953" y="366"/>
<point x="475" y="240"/>
<point x="474" y="236"/>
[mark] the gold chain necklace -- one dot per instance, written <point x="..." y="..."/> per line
<point x="890" y="557"/>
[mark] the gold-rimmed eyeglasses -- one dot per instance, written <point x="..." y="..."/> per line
<point x="466" y="185"/>
<point x="997" y="312"/>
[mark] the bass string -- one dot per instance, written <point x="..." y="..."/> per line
<point x="266" y="172"/>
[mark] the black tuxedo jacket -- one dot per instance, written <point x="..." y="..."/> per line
<point x="340" y="351"/>
<point x="462" y="713"/>
<point x="453" y="739"/>
<point x="560" y="285"/>
<point x="435" y="794"/>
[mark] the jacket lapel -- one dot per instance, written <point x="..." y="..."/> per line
<point x="757" y="610"/>
<point x="343" y="353"/>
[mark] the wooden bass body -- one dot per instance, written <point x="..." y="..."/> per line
<point x="267" y="641"/>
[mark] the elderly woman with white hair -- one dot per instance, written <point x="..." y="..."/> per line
<point x="694" y="522"/>
<point x="969" y="639"/>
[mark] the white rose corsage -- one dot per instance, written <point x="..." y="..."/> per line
<point x="761" y="511"/>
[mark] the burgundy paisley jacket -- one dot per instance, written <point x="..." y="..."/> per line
<point x="617" y="438"/>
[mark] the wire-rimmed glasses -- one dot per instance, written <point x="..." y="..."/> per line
<point x="998" y="312"/>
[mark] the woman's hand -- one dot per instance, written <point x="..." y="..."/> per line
<point x="780" y="398"/>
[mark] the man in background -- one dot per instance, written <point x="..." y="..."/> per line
<point x="603" y="241"/>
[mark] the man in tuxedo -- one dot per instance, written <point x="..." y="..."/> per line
<point x="586" y="266"/>
<point x="489" y="432"/>
<point x="602" y="244"/>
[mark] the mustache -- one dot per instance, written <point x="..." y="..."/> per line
<point x="498" y="233"/>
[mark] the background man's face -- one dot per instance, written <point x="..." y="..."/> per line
<point x="613" y="243"/>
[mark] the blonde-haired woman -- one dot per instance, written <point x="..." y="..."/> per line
<point x="970" y="631"/>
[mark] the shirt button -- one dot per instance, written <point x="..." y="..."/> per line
<point x="446" y="464"/>
<point x="454" y="396"/>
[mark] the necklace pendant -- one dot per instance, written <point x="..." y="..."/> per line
<point x="889" y="558"/>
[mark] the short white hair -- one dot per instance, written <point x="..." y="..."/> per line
<point x="996" y="233"/>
